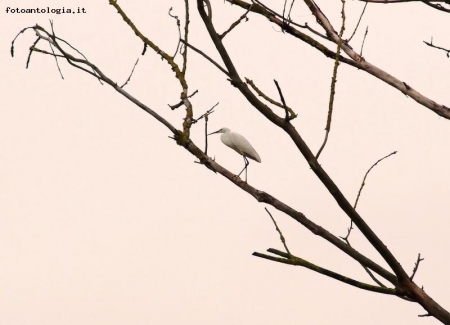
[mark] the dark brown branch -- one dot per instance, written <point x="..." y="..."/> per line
<point x="31" y="51"/>
<point x="206" y="57"/>
<point x="437" y="47"/>
<point x="286" y="117"/>
<point x="14" y="40"/>
<point x="237" y="22"/>
<point x="436" y="6"/>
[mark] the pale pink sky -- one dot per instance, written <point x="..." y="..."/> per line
<point x="105" y="220"/>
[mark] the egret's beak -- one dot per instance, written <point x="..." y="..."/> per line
<point x="214" y="132"/>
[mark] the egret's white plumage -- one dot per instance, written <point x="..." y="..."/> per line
<point x="239" y="144"/>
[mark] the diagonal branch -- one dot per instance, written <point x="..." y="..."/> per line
<point x="298" y="261"/>
<point x="237" y="22"/>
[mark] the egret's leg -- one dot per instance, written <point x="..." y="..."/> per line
<point x="245" y="168"/>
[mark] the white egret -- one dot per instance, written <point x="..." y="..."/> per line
<point x="239" y="144"/>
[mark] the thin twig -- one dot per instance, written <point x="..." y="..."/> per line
<point x="31" y="51"/>
<point x="56" y="61"/>
<point x="357" y="25"/>
<point x="233" y="25"/>
<point x="286" y="117"/>
<point x="349" y="229"/>
<point x="208" y="112"/>
<point x="129" y="77"/>
<point x="437" y="47"/>
<point x="290" y="9"/>
<point x="206" y="134"/>
<point x="367" y="173"/>
<point x="364" y="40"/>
<point x="179" y="31"/>
<point x="279" y="231"/>
<point x="12" y="42"/>
<point x="206" y="57"/>
<point x="270" y="100"/>
<point x="51" y="47"/>
<point x="416" y="267"/>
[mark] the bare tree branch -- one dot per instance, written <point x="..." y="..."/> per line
<point x="233" y="25"/>
<point x="437" y="47"/>
<point x="355" y="60"/>
<point x="298" y="261"/>
<point x="270" y="100"/>
<point x="129" y="77"/>
<point x="359" y="21"/>
<point x="283" y="240"/>
<point x="333" y="82"/>
<point x="405" y="285"/>
<point x="206" y="57"/>
<point x="186" y="35"/>
<point x="416" y="266"/>
<point x="367" y="173"/>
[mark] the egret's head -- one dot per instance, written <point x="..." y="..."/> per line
<point x="222" y="130"/>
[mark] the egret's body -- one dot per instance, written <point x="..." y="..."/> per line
<point x="239" y="144"/>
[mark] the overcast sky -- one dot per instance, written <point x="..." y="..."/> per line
<point x="105" y="220"/>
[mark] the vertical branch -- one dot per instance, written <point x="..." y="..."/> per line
<point x="186" y="33"/>
<point x="282" y="100"/>
<point x="333" y="81"/>
<point x="364" y="40"/>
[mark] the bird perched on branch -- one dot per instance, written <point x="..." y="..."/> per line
<point x="239" y="144"/>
